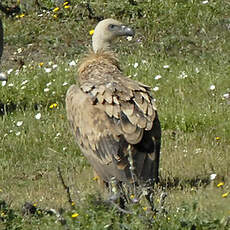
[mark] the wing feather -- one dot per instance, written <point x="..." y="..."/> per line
<point x="108" y="96"/>
<point x="127" y="108"/>
<point x="87" y="87"/>
<point x="126" y="126"/>
<point x="100" y="98"/>
<point x="145" y="96"/>
<point x="115" y="100"/>
<point x="108" y="109"/>
<point x="116" y="111"/>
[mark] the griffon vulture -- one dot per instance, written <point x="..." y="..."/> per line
<point x="113" y="117"/>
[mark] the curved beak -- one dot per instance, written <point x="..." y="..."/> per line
<point x="126" y="31"/>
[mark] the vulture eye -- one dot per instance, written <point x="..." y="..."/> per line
<point x="112" y="27"/>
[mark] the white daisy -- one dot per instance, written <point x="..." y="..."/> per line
<point x="157" y="77"/>
<point x="183" y="75"/>
<point x="156" y="88"/>
<point x="54" y="66"/>
<point x="19" y="123"/>
<point x="38" y="116"/>
<point x="212" y="176"/>
<point x="72" y="63"/>
<point x="197" y="70"/>
<point x="9" y="71"/>
<point x="47" y="70"/>
<point x="212" y="87"/>
<point x="24" y="82"/>
<point x="135" y="65"/>
<point x="19" y="50"/>
<point x="226" y="95"/>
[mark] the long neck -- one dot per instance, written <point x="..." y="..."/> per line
<point x="99" y="43"/>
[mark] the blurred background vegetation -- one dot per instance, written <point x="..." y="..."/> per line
<point x="181" y="49"/>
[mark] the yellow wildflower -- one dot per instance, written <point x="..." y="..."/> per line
<point x="74" y="215"/>
<point x="95" y="178"/>
<point x="91" y="32"/>
<point x="2" y="214"/>
<point x="217" y="138"/>
<point x="220" y="184"/>
<point x="67" y="6"/>
<point x="65" y="3"/>
<point x="34" y="204"/>
<point x="56" y="9"/>
<point x="145" y="208"/>
<point x="132" y="196"/>
<point x="41" y="64"/>
<point x="20" y="16"/>
<point x="73" y="204"/>
<point x="54" y="105"/>
<point x="55" y="16"/>
<point x="225" y="194"/>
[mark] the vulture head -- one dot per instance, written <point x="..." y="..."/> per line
<point x="108" y="30"/>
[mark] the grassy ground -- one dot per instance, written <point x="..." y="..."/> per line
<point x="186" y="45"/>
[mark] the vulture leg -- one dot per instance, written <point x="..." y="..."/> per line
<point x="114" y="190"/>
<point x="118" y="194"/>
<point x="132" y="170"/>
<point x="150" y="198"/>
<point x="122" y="199"/>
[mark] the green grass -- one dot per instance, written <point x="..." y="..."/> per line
<point x="190" y="37"/>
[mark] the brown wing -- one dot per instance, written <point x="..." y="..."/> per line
<point x="91" y="125"/>
<point x="106" y="118"/>
<point x="98" y="137"/>
<point x="129" y="103"/>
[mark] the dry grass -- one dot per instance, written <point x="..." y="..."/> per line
<point x="192" y="40"/>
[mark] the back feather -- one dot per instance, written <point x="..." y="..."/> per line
<point x="109" y="112"/>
